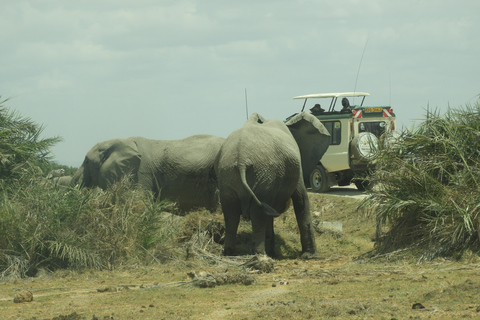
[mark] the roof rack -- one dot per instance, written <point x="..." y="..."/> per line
<point x="334" y="97"/>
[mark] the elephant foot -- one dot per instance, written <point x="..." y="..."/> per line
<point x="229" y="252"/>
<point x="272" y="254"/>
<point x="310" y="255"/>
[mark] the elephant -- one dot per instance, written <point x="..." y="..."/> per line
<point x="260" y="168"/>
<point x="179" y="170"/>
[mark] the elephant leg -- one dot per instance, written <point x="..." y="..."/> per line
<point x="231" y="214"/>
<point x="269" y="237"/>
<point x="214" y="200"/>
<point x="231" y="226"/>
<point x="301" y="206"/>
<point x="259" y="230"/>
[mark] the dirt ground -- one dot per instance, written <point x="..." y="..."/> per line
<point x="340" y="285"/>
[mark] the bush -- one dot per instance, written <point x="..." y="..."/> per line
<point x="43" y="226"/>
<point x="20" y="144"/>
<point x="427" y="196"/>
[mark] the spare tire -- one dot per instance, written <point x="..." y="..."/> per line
<point x="364" y="146"/>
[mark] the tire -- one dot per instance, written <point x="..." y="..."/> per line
<point x="363" y="185"/>
<point x="319" y="180"/>
<point x="364" y="146"/>
<point x="343" y="183"/>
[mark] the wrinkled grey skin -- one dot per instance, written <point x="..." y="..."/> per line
<point x="178" y="170"/>
<point x="259" y="168"/>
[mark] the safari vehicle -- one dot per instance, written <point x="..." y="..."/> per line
<point x="357" y="133"/>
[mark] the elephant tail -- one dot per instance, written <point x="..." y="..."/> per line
<point x="267" y="209"/>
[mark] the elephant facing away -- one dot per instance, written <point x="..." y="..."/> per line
<point x="178" y="170"/>
<point x="259" y="169"/>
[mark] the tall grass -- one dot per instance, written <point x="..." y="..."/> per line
<point x="43" y="226"/>
<point x="427" y="196"/>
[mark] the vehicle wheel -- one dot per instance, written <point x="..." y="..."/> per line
<point x="319" y="179"/>
<point x="344" y="182"/>
<point x="363" y="185"/>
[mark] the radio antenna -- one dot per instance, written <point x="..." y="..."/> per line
<point x="359" y="65"/>
<point x="246" y="103"/>
<point x="390" y="84"/>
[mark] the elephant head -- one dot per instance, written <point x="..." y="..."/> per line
<point x="107" y="162"/>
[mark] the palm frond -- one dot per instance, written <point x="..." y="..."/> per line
<point x="21" y="142"/>
<point x="428" y="185"/>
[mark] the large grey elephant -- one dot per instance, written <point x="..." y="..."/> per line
<point x="178" y="170"/>
<point x="260" y="168"/>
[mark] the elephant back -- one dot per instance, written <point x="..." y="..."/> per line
<point x="181" y="170"/>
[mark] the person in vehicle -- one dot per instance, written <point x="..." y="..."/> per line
<point x="317" y="109"/>
<point x="346" y="105"/>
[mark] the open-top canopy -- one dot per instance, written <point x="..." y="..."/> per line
<point x="333" y="95"/>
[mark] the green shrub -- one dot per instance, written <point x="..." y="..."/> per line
<point x="47" y="226"/>
<point x="427" y="196"/>
<point x="20" y="144"/>
<point x="43" y="226"/>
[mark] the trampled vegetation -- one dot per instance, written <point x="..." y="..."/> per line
<point x="427" y="198"/>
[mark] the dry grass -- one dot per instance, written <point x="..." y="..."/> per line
<point x="338" y="286"/>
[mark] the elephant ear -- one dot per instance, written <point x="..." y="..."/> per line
<point x="119" y="158"/>
<point x="312" y="139"/>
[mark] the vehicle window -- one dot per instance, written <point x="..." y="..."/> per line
<point x="377" y="128"/>
<point x="335" y="130"/>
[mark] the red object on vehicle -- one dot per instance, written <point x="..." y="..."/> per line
<point x="387" y="112"/>
<point x="357" y="114"/>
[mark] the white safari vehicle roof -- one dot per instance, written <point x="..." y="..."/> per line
<point x="333" y="95"/>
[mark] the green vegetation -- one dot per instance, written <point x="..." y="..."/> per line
<point x="426" y="203"/>
<point x="43" y="226"/>
<point x="427" y="197"/>
<point x="21" y="148"/>
<point x="427" y="200"/>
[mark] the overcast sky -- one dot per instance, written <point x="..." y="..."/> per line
<point x="90" y="70"/>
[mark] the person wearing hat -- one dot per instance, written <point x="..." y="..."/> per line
<point x="317" y="109"/>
